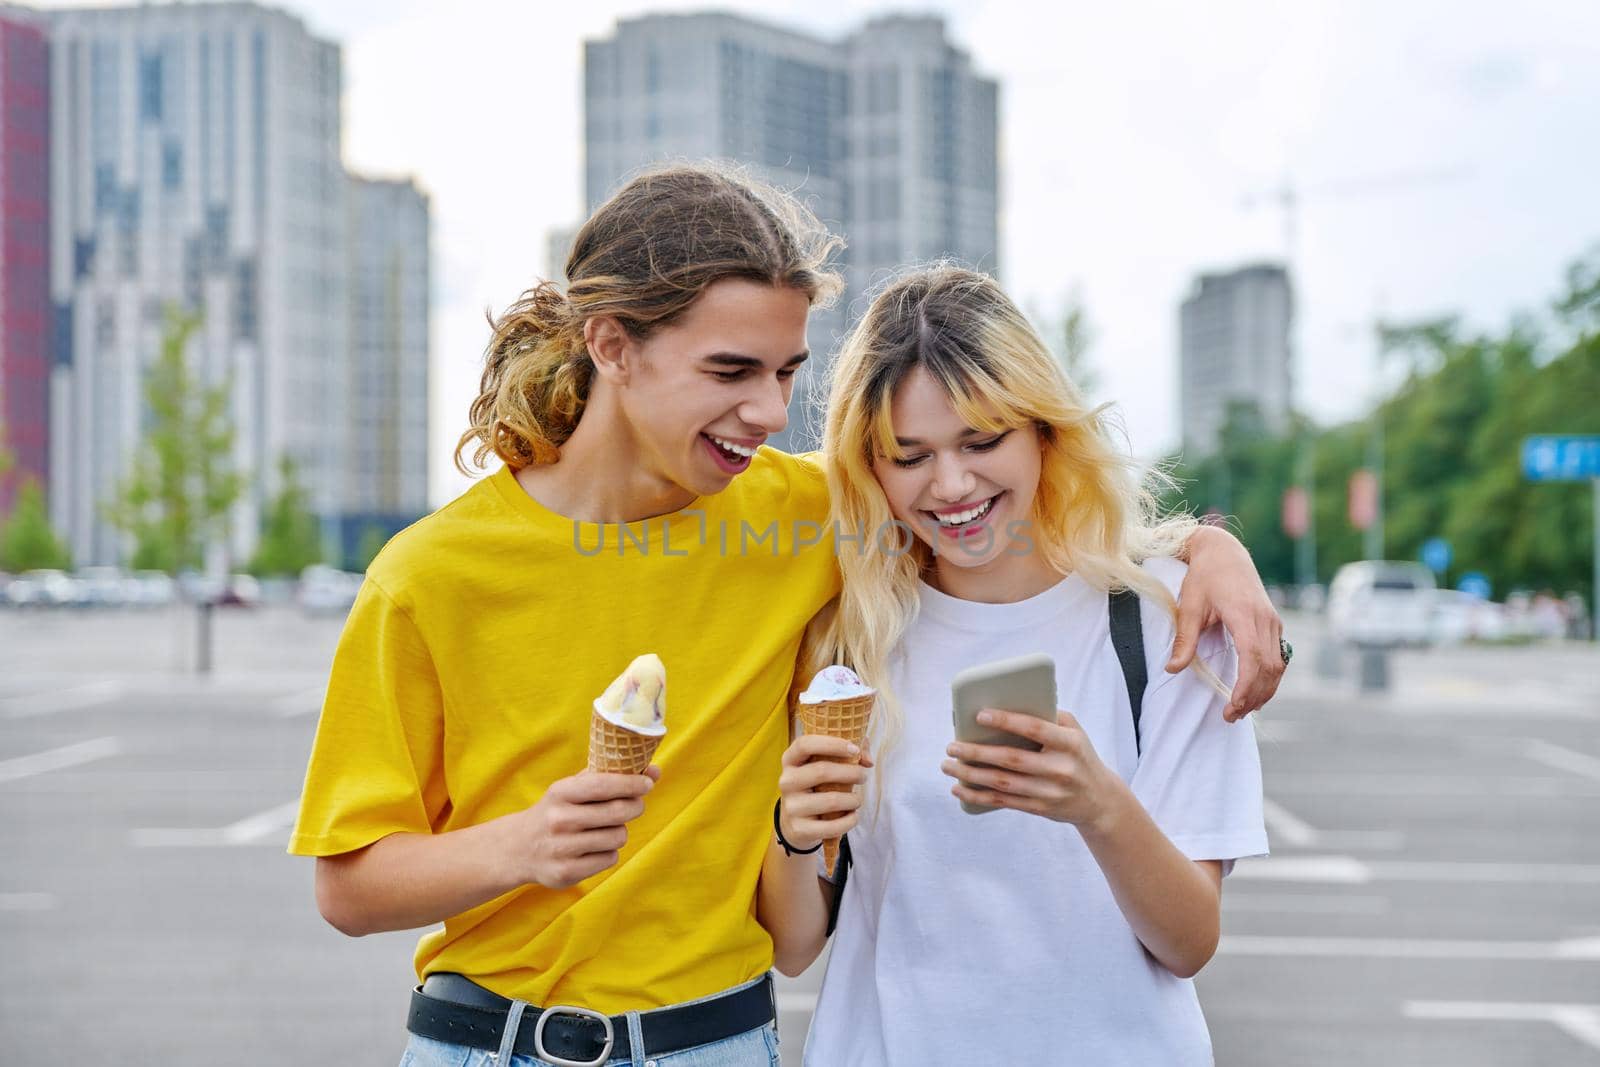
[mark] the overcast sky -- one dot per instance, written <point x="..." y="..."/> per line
<point x="1130" y="134"/>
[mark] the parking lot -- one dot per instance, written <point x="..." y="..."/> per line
<point x="1433" y="894"/>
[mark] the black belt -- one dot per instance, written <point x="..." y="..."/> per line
<point x="449" y="1007"/>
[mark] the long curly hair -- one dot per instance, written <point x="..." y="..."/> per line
<point x="642" y="258"/>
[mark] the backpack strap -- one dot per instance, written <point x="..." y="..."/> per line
<point x="1127" y="637"/>
<point x="841" y="874"/>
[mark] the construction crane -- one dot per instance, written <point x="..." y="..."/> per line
<point x="1288" y="197"/>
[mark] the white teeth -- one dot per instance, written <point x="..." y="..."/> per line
<point x="961" y="517"/>
<point x="738" y="450"/>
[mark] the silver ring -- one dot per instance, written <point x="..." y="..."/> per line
<point x="1286" y="650"/>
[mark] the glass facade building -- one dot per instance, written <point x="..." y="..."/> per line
<point x="887" y="134"/>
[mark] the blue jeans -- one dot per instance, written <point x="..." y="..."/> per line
<point x="753" y="1048"/>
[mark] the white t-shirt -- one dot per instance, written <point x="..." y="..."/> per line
<point x="995" y="938"/>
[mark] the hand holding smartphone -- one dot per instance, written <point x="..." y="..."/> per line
<point x="1025" y="684"/>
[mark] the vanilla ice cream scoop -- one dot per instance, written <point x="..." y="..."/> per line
<point x="835" y="683"/>
<point x="638" y="698"/>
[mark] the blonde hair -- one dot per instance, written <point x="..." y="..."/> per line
<point x="643" y="258"/>
<point x="1093" y="512"/>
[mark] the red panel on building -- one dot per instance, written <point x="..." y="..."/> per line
<point x="25" y="316"/>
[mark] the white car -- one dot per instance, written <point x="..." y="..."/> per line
<point x="244" y="591"/>
<point x="104" y="587"/>
<point x="156" y="589"/>
<point x="1311" y="598"/>
<point x="327" y="591"/>
<point x="200" y="588"/>
<point x="44" y="588"/>
<point x="1459" y="617"/>
<point x="1382" y="603"/>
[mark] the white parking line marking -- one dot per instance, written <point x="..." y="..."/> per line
<point x="51" y="701"/>
<point x="1370" y="840"/>
<point x="1565" y="759"/>
<point x="1563" y="707"/>
<point x="1409" y="948"/>
<point x="1305" y="903"/>
<point x="1582" y="1021"/>
<point x="247" y="831"/>
<point x="1286" y="825"/>
<point x="1505" y="873"/>
<point x="1331" y="870"/>
<point x="26" y="902"/>
<point x="1348" y="870"/>
<point x="257" y="827"/>
<point x="1428" y="785"/>
<point x="308" y="702"/>
<point x="1297" y="833"/>
<point x="58" y="758"/>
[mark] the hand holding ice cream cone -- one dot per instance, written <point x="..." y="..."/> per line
<point x="837" y="706"/>
<point x="819" y="802"/>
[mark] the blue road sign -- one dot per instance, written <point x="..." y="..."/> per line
<point x="1572" y="458"/>
<point x="1474" y="584"/>
<point x="1436" y="554"/>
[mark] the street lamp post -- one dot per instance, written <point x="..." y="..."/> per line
<point x="1372" y="537"/>
<point x="1306" y="548"/>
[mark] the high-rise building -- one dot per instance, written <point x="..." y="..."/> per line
<point x="25" y="320"/>
<point x="887" y="135"/>
<point x="1234" y="338"/>
<point x="923" y="156"/>
<point x="386" y="453"/>
<point x="196" y="164"/>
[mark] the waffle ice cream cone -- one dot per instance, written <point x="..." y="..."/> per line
<point x="629" y="719"/>
<point x="615" y="749"/>
<point x="846" y="717"/>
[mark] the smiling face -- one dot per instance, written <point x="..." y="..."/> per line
<point x="701" y="394"/>
<point x="968" y="493"/>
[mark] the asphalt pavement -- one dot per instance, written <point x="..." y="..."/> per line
<point x="1433" y="894"/>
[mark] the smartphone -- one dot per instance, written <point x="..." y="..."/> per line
<point x="1025" y="684"/>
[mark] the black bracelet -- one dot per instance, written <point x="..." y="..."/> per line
<point x="788" y="849"/>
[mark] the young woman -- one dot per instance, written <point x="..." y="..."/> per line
<point x="593" y="918"/>
<point x="1066" y="926"/>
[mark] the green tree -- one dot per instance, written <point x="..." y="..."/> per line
<point x="176" y="500"/>
<point x="1243" y="481"/>
<point x="1338" y="453"/>
<point x="1451" y="438"/>
<point x="1518" y="533"/>
<point x="7" y="460"/>
<point x="1579" y="306"/>
<point x="1428" y="428"/>
<point x="1070" y="336"/>
<point x="27" y="541"/>
<point x="290" y="538"/>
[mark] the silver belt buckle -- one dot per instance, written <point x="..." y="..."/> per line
<point x="567" y="1009"/>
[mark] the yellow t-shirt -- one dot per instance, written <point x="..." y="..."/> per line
<point x="463" y="684"/>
